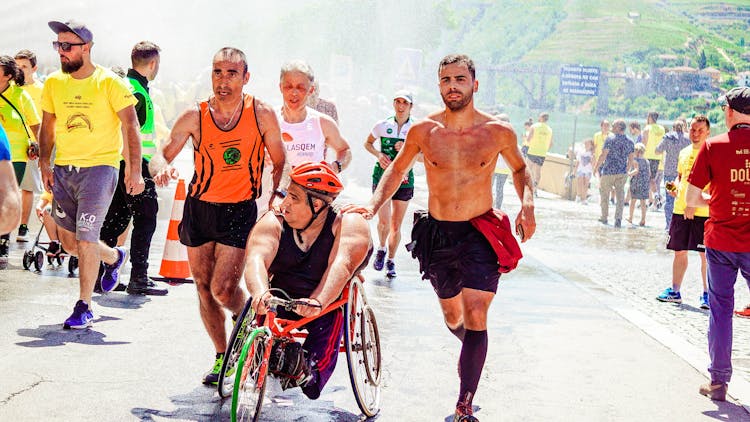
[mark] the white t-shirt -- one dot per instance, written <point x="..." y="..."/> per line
<point x="585" y="165"/>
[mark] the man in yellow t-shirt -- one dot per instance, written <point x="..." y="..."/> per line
<point x="87" y="109"/>
<point x="540" y="141"/>
<point x="686" y="226"/>
<point x="20" y="119"/>
<point x="26" y="61"/>
<point x="32" y="177"/>
<point x="600" y="137"/>
<point x="651" y="137"/>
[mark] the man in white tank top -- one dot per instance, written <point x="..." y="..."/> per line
<point x="306" y="133"/>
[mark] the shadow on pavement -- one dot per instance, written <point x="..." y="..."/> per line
<point x="692" y="308"/>
<point x="203" y="404"/>
<point x="121" y="300"/>
<point x="55" y="335"/>
<point x="726" y="411"/>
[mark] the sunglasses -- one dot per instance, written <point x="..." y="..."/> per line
<point x="65" y="46"/>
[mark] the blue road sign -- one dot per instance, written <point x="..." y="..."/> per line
<point x="579" y="80"/>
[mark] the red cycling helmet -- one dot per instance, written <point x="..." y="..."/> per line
<point x="317" y="177"/>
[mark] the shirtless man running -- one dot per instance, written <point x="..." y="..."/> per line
<point x="460" y="146"/>
<point x="230" y="132"/>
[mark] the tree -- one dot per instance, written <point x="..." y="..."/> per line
<point x="702" y="59"/>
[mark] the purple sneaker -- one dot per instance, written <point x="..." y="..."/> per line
<point x="379" y="260"/>
<point x="80" y="318"/>
<point x="111" y="275"/>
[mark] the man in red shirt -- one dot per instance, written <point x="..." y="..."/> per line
<point x="723" y="163"/>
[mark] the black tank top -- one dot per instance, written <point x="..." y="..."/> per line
<point x="296" y="272"/>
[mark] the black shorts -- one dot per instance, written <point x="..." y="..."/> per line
<point x="228" y="224"/>
<point x="453" y="255"/>
<point x="686" y="235"/>
<point x="535" y="159"/>
<point x="653" y="165"/>
<point x="402" y="194"/>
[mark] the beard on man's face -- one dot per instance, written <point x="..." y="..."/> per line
<point x="71" y="65"/>
<point x="459" y="104"/>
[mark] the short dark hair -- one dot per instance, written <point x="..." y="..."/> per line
<point x="702" y="118"/>
<point x="653" y="115"/>
<point x="28" y="55"/>
<point x="233" y="54"/>
<point x="9" y="67"/>
<point x="144" y="52"/>
<point x="635" y="125"/>
<point x="459" y="59"/>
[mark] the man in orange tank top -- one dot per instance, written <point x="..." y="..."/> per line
<point x="231" y="132"/>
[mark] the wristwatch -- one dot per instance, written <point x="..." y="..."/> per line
<point x="338" y="165"/>
<point x="281" y="193"/>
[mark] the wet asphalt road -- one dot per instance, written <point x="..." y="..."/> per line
<point x="555" y="353"/>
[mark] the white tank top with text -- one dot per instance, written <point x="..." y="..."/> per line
<point x="304" y="141"/>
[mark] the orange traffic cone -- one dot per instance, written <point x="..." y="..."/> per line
<point x="174" y="262"/>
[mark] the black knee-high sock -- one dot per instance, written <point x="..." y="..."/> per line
<point x="471" y="362"/>
<point x="459" y="331"/>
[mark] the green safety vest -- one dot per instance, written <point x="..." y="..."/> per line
<point x="148" y="134"/>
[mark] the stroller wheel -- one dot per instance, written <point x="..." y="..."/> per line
<point x="28" y="258"/>
<point x="39" y="261"/>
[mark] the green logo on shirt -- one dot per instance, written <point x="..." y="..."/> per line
<point x="232" y="155"/>
<point x="389" y="131"/>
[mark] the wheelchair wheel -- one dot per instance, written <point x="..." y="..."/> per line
<point x="242" y="328"/>
<point x="72" y="264"/>
<point x="39" y="260"/>
<point x="28" y="258"/>
<point x="362" y="343"/>
<point x="250" y="382"/>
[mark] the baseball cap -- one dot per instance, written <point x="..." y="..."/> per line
<point x="404" y="94"/>
<point x="75" y="27"/>
<point x="738" y="99"/>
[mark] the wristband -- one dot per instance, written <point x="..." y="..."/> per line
<point x="281" y="193"/>
<point x="338" y="165"/>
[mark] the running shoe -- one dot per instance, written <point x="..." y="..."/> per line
<point x="464" y="413"/>
<point x="80" y="318"/>
<point x="23" y="233"/>
<point x="669" y="295"/>
<point x="212" y="376"/>
<point x="111" y="275"/>
<point x="464" y="418"/>
<point x="391" y="267"/>
<point x="379" y="260"/>
<point x="276" y="360"/>
<point x="139" y="285"/>
<point x="713" y="391"/>
<point x="704" y="301"/>
<point x="54" y="249"/>
<point x="293" y="367"/>
<point x="745" y="313"/>
<point x="4" y="252"/>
